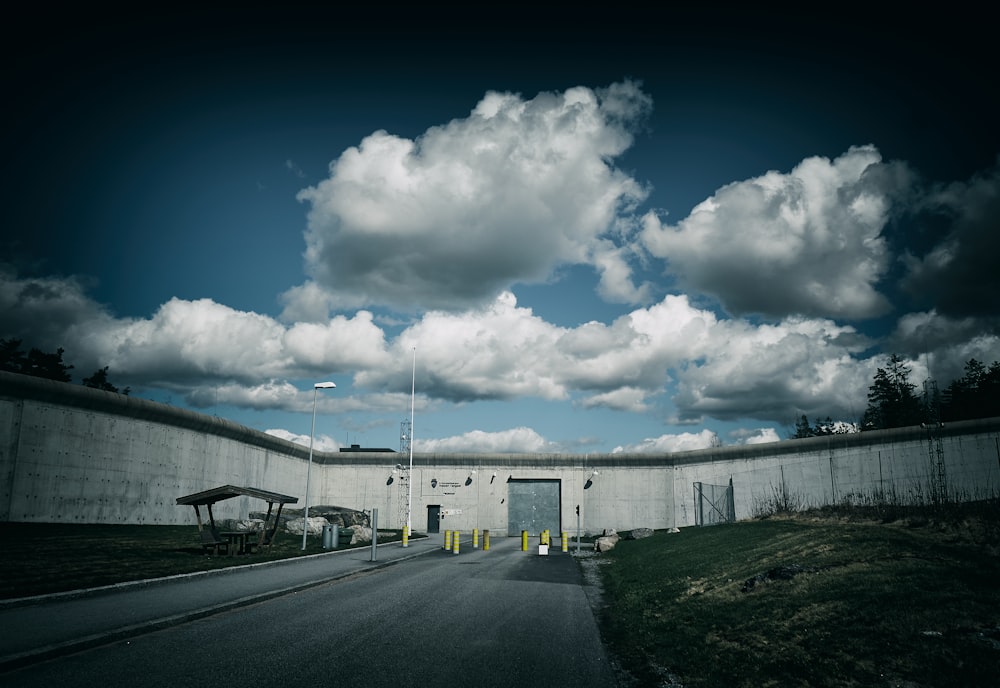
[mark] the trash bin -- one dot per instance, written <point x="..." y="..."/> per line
<point x="328" y="536"/>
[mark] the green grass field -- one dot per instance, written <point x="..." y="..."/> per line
<point x="41" y="558"/>
<point x="810" y="602"/>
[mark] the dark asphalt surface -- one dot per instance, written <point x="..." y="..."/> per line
<point x="416" y="616"/>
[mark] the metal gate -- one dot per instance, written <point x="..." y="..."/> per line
<point x="714" y="504"/>
<point x="533" y="505"/>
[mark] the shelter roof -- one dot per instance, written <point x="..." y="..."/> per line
<point x="217" y="494"/>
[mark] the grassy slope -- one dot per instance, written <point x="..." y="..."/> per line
<point x="40" y="558"/>
<point x="874" y="605"/>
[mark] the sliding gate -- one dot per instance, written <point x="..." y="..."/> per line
<point x="533" y="505"/>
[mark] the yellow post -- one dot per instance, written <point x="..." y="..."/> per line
<point x="406" y="536"/>
<point x="447" y="540"/>
<point x="486" y="541"/>
<point x="524" y="541"/>
<point x="455" y="542"/>
<point x="475" y="538"/>
<point x="565" y="539"/>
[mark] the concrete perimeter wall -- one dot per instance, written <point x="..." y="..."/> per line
<point x="73" y="454"/>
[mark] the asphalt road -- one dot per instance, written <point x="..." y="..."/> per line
<point x="498" y="618"/>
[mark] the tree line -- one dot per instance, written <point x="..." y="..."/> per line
<point x="49" y="365"/>
<point x="894" y="402"/>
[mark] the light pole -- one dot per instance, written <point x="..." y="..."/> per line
<point x="409" y="494"/>
<point x="312" y="433"/>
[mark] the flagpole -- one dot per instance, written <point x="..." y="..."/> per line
<point x="409" y="496"/>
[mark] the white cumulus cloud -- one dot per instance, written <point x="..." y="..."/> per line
<point x="808" y="242"/>
<point x="514" y="441"/>
<point x="456" y="216"/>
<point x="323" y="443"/>
<point x="667" y="444"/>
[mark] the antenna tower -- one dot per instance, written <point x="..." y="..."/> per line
<point x="404" y="470"/>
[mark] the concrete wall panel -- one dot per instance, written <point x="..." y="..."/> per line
<point x="72" y="454"/>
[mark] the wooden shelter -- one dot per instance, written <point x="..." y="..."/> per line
<point x="210" y="535"/>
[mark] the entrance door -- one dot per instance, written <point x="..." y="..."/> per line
<point x="434" y="518"/>
<point x="533" y="505"/>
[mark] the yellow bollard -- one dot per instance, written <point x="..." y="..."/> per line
<point x="486" y="541"/>
<point x="406" y="536"/>
<point x="475" y="538"/>
<point x="565" y="543"/>
<point x="524" y="541"/>
<point x="455" y="538"/>
<point x="447" y="540"/>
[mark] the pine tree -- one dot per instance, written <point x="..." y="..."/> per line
<point x="892" y="399"/>
<point x="99" y="380"/>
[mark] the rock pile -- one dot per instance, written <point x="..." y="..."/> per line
<point x="319" y="516"/>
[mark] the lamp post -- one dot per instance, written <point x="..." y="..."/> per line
<point x="312" y="433"/>
<point x="409" y="494"/>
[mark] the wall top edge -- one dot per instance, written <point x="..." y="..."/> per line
<point x="14" y="386"/>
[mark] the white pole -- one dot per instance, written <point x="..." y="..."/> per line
<point x="312" y="433"/>
<point x="409" y="496"/>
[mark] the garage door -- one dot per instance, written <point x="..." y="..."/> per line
<point x="533" y="505"/>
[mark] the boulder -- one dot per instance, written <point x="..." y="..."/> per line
<point x="605" y="543"/>
<point x="360" y="534"/>
<point x="336" y="515"/>
<point x="250" y="525"/>
<point x="639" y="533"/>
<point x="314" y="527"/>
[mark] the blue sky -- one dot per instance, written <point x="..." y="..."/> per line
<point x="653" y="230"/>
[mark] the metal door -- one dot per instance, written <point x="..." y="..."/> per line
<point x="534" y="506"/>
<point x="434" y="518"/>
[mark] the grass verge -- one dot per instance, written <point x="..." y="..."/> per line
<point x="809" y="600"/>
<point x="42" y="558"/>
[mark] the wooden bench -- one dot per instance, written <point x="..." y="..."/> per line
<point x="210" y="538"/>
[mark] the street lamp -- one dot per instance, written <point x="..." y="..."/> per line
<point x="312" y="433"/>
<point x="409" y="494"/>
